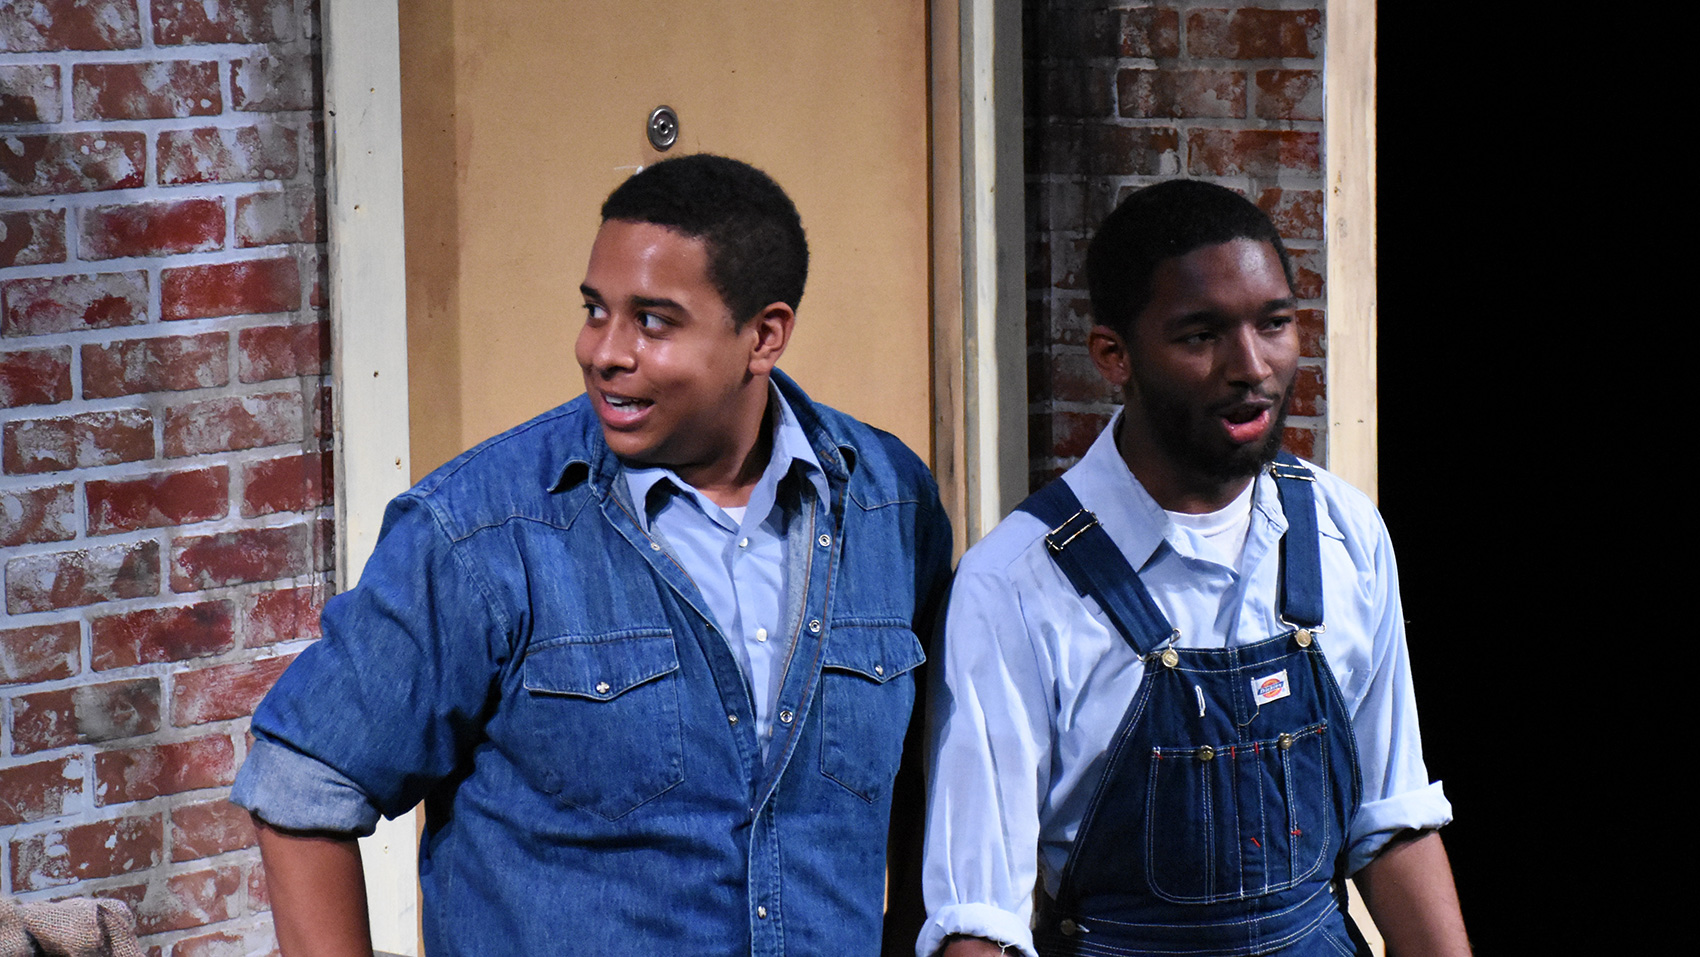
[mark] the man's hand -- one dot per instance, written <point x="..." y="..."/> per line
<point x="318" y="893"/>
<point x="1409" y="891"/>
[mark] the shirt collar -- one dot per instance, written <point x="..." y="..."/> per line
<point x="791" y="451"/>
<point x="1131" y="517"/>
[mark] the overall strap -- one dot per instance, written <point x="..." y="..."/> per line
<point x="1301" y="556"/>
<point x="1096" y="567"/>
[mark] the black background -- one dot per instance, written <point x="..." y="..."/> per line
<point x="1502" y="442"/>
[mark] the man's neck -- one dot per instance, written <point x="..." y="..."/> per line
<point x="1173" y="487"/>
<point x="730" y="487"/>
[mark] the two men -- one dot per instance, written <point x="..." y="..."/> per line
<point x="648" y="659"/>
<point x="1176" y="699"/>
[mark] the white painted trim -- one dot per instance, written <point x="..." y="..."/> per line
<point x="993" y="269"/>
<point x="1349" y="169"/>
<point x="368" y="302"/>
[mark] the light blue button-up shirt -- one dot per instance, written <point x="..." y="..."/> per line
<point x="738" y="563"/>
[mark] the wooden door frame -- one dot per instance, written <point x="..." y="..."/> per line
<point x="1349" y="123"/>
<point x="367" y="290"/>
<point x="979" y="316"/>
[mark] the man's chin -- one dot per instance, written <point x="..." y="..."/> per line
<point x="1233" y="462"/>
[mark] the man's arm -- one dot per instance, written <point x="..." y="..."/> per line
<point x="1409" y="891"/>
<point x="318" y="893"/>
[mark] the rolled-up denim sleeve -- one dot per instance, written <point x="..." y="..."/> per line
<point x="290" y="790"/>
<point x="390" y="700"/>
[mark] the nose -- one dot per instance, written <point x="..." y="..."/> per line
<point x="1247" y="360"/>
<point x="606" y="348"/>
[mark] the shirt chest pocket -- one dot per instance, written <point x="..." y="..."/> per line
<point x="867" y="695"/>
<point x="602" y="717"/>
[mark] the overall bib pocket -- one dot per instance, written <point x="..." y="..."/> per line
<point x="603" y="716"/>
<point x="867" y="694"/>
<point x="1239" y="820"/>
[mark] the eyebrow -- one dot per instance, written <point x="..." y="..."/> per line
<point x="1208" y="315"/>
<point x="641" y="302"/>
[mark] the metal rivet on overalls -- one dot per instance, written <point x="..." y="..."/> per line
<point x="602" y="687"/>
<point x="1171" y="657"/>
<point x="655" y="546"/>
<point x="1285" y="741"/>
<point x="732" y="719"/>
<point x="1302" y="636"/>
<point x="879" y="669"/>
<point x="825" y="541"/>
<point x="1206" y="753"/>
<point x="814" y="626"/>
<point x="785" y="717"/>
<point x="1068" y="927"/>
<point x="761" y="912"/>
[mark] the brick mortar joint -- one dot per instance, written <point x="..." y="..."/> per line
<point x="144" y="468"/>
<point x="299" y="120"/>
<point x="187" y="52"/>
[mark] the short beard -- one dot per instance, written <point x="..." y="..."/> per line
<point x="1169" y="427"/>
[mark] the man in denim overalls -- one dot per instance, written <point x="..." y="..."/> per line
<point x="1176" y="710"/>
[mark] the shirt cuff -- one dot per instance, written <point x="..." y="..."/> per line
<point x="292" y="791"/>
<point x="975" y="920"/>
<point x="1379" y="821"/>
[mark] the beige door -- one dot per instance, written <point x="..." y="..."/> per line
<point x="519" y="116"/>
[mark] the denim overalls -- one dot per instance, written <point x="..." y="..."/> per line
<point x="1221" y="818"/>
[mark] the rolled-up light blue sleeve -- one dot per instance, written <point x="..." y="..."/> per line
<point x="1397" y="792"/>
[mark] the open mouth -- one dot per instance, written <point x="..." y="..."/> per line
<point x="621" y="410"/>
<point x="1247" y="421"/>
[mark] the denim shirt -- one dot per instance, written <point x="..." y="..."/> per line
<point x="521" y="656"/>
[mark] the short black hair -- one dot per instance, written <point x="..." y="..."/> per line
<point x="1161" y="222"/>
<point x="757" y="254"/>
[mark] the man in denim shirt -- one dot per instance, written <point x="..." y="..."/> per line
<point x="649" y="658"/>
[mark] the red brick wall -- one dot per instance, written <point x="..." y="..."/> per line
<point x="1124" y="94"/>
<point x="163" y="448"/>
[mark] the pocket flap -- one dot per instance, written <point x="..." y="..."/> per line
<point x="600" y="670"/>
<point x="876" y="652"/>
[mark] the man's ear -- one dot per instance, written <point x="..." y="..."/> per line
<point x="1109" y="353"/>
<point x="772" y="327"/>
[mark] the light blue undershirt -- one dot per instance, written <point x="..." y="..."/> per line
<point x="738" y="563"/>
